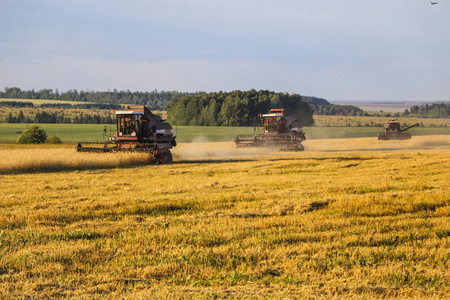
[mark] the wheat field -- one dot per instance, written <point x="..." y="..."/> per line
<point x="347" y="218"/>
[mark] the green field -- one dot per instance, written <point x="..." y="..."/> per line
<point x="72" y="133"/>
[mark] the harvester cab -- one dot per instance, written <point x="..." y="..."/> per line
<point x="392" y="126"/>
<point x="278" y="131"/>
<point x="129" y="125"/>
<point x="138" y="124"/>
<point x="274" y="122"/>
<point x="138" y="130"/>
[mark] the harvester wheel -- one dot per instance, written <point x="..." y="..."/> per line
<point x="164" y="159"/>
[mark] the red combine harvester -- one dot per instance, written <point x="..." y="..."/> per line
<point x="279" y="131"/>
<point x="138" y="130"/>
<point x="393" y="131"/>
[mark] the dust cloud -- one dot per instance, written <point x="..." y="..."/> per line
<point x="202" y="149"/>
<point x="373" y="144"/>
<point x="437" y="142"/>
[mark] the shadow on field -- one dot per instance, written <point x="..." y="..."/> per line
<point x="374" y="150"/>
<point x="321" y="158"/>
<point x="222" y="161"/>
<point x="62" y="169"/>
<point x="212" y="161"/>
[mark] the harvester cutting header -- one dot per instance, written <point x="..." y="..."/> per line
<point x="138" y="130"/>
<point x="279" y="131"/>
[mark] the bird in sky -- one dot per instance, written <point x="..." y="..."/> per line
<point x="433" y="3"/>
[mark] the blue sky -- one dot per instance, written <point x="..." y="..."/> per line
<point x="336" y="49"/>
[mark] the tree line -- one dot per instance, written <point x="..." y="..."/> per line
<point x="153" y="100"/>
<point x="106" y="106"/>
<point x="216" y="114"/>
<point x="323" y="107"/>
<point x="236" y="108"/>
<point x="16" y="104"/>
<point x="20" y="104"/>
<point x="59" y="118"/>
<point x="435" y="110"/>
<point x="338" y="110"/>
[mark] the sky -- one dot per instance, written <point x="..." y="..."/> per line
<point x="354" y="50"/>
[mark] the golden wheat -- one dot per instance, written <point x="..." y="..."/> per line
<point x="37" y="159"/>
<point x="329" y="222"/>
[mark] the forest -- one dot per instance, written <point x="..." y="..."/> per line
<point x="338" y="110"/>
<point x="435" y="110"/>
<point x="154" y="100"/>
<point x="237" y="108"/>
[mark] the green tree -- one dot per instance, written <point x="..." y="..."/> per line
<point x="54" y="140"/>
<point x="33" y="135"/>
<point x="236" y="108"/>
<point x="11" y="119"/>
<point x="21" y="117"/>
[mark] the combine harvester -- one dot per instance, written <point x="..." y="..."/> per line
<point x="138" y="130"/>
<point x="393" y="131"/>
<point x="279" y="131"/>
